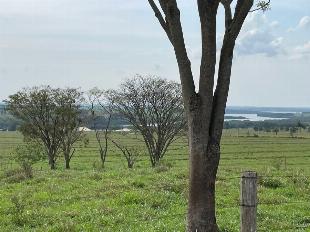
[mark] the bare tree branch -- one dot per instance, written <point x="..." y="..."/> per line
<point x="99" y="103"/>
<point x="154" y="108"/>
<point x="224" y="72"/>
<point x="173" y="22"/>
<point x="242" y="9"/>
<point x="161" y="19"/>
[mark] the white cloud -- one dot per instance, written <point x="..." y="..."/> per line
<point x="259" y="37"/>
<point x="301" y="51"/>
<point x="304" y="22"/>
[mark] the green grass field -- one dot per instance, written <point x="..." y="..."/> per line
<point x="86" y="198"/>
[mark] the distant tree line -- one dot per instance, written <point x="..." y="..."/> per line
<point x="268" y="125"/>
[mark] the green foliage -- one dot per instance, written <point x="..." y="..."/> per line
<point x="293" y="130"/>
<point x="271" y="183"/>
<point x="15" y="175"/>
<point x="163" y="167"/>
<point x="27" y="155"/>
<point x="97" y="166"/>
<point x="50" y="116"/>
<point x="263" y="5"/>
<point x="19" y="217"/>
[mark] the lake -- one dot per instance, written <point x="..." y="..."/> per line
<point x="250" y="117"/>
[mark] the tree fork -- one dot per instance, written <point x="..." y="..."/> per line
<point x="205" y="110"/>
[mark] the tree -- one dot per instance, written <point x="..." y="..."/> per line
<point x="46" y="117"/>
<point x="69" y="102"/>
<point x="100" y="108"/>
<point x="301" y="126"/>
<point x="204" y="108"/>
<point x="276" y="130"/>
<point x="130" y="153"/>
<point x="154" y="108"/>
<point x="293" y="130"/>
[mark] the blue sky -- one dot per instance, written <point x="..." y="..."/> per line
<point x="102" y="42"/>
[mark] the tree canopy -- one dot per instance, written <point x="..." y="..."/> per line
<point x="47" y="115"/>
<point x="154" y="107"/>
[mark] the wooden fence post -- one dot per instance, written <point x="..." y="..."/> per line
<point x="248" y="201"/>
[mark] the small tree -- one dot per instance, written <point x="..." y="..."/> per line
<point x="69" y="101"/>
<point x="293" y="130"/>
<point x="154" y="107"/>
<point x="301" y="126"/>
<point x="130" y="153"/>
<point x="47" y="117"/>
<point x="276" y="131"/>
<point x="37" y="110"/>
<point x="100" y="108"/>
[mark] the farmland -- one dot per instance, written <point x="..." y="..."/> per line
<point x="87" y="198"/>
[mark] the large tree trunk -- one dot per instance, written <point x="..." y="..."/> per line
<point x="204" y="161"/>
<point x="201" y="211"/>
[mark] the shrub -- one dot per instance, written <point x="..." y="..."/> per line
<point x="27" y="155"/>
<point x="18" y="210"/>
<point x="163" y="166"/>
<point x="270" y="183"/>
<point x="97" y="166"/>
<point x="16" y="176"/>
<point x="96" y="176"/>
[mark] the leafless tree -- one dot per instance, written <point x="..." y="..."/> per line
<point x="204" y="108"/>
<point x="129" y="153"/>
<point x="99" y="107"/>
<point x="154" y="107"/>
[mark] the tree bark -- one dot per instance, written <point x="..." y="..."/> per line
<point x="204" y="161"/>
<point x="52" y="158"/>
<point x="102" y="157"/>
<point x="67" y="159"/>
<point x="52" y="163"/>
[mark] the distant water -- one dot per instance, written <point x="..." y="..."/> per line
<point x="250" y="117"/>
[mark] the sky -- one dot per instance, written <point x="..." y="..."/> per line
<point x="100" y="43"/>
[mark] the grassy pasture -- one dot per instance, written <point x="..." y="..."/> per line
<point x="86" y="198"/>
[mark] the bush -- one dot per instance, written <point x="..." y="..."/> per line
<point x="18" y="210"/>
<point x="27" y="155"/>
<point x="97" y="166"/>
<point x="162" y="168"/>
<point x="271" y="183"/>
<point x="15" y="176"/>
